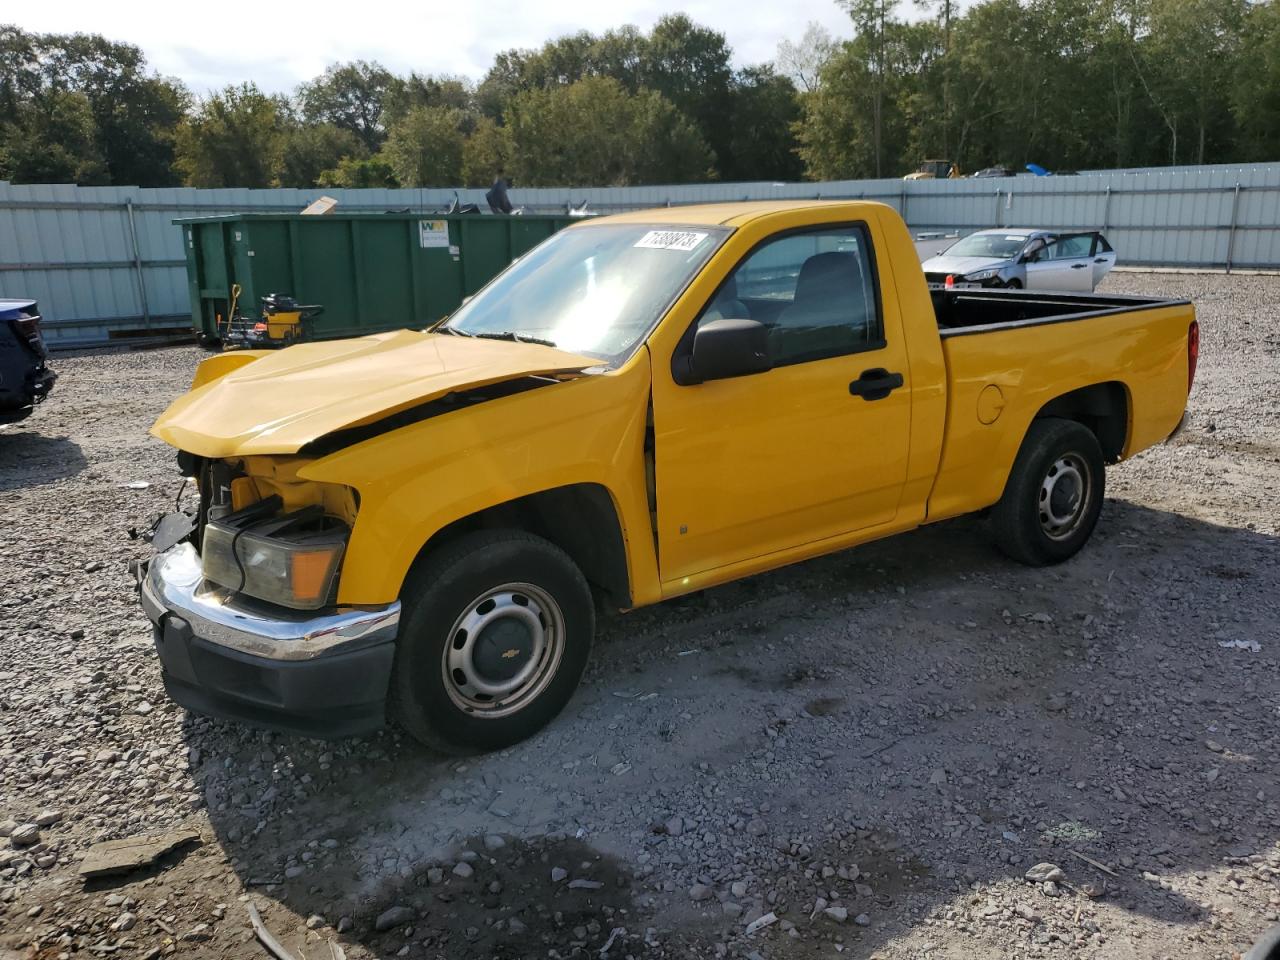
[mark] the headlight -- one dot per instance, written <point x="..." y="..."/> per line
<point x="983" y="275"/>
<point x="289" y="559"/>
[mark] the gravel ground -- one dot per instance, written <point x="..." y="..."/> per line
<point x="873" y="748"/>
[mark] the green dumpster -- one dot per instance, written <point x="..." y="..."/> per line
<point x="370" y="272"/>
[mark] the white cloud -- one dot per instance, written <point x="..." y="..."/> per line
<point x="278" y="45"/>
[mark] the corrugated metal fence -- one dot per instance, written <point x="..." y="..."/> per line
<point x="107" y="262"/>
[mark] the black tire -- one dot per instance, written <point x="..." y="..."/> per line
<point x="1037" y="521"/>
<point x="536" y="582"/>
<point x="1014" y="284"/>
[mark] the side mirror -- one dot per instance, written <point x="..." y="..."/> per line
<point x="729" y="348"/>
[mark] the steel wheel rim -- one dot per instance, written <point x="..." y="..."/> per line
<point x="516" y="620"/>
<point x="1064" y="496"/>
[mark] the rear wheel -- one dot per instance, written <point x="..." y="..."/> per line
<point x="1053" y="496"/>
<point x="495" y="636"/>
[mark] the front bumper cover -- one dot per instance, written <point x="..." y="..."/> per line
<point x="319" y="675"/>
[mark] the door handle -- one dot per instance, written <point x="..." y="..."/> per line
<point x="1101" y="260"/>
<point x="1078" y="266"/>
<point x="875" y="384"/>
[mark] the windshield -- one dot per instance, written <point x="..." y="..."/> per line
<point x="595" y="290"/>
<point x="999" y="245"/>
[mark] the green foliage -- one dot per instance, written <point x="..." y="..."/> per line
<point x="424" y="149"/>
<point x="486" y="151"/>
<point x="311" y="150"/>
<point x="594" y="131"/>
<point x="50" y="139"/>
<point x="762" y="101"/>
<point x="353" y="172"/>
<point x="236" y="138"/>
<point x="1064" y="83"/>
<point x="1255" y="97"/>
<point x="405" y="93"/>
<point x="48" y="81"/>
<point x="349" y="95"/>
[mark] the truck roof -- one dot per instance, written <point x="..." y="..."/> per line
<point x="728" y="214"/>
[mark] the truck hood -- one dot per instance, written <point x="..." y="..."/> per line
<point x="282" y="401"/>
<point x="961" y="265"/>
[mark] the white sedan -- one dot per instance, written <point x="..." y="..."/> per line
<point x="1031" y="259"/>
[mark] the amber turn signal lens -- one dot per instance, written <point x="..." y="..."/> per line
<point x="310" y="572"/>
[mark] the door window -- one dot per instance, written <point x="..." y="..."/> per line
<point x="814" y="290"/>
<point x="1069" y="248"/>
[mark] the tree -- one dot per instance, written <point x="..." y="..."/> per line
<point x="1256" y="90"/>
<point x="835" y="132"/>
<point x="359" y="172"/>
<point x="594" y="132"/>
<point x="309" y="150"/>
<point x="424" y="148"/>
<point x="349" y="95"/>
<point x="762" y="145"/>
<point x="234" y="139"/>
<point x="1182" y="61"/>
<point x="871" y="23"/>
<point x="418" y="90"/>
<point x="689" y="66"/>
<point x="802" y="62"/>
<point x="133" y="114"/>
<point x="50" y="139"/>
<point x="486" y="151"/>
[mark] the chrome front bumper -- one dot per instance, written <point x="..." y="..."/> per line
<point x="323" y="675"/>
<point x="174" y="583"/>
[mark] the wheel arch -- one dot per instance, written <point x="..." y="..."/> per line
<point x="1103" y="408"/>
<point x="581" y="519"/>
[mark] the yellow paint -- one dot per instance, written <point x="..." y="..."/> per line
<point x="990" y="404"/>
<point x="286" y="397"/>
<point x="750" y="473"/>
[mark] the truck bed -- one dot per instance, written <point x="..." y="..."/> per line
<point x="1124" y="351"/>
<point x="978" y="310"/>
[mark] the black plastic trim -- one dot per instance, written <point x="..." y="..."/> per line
<point x="1139" y="303"/>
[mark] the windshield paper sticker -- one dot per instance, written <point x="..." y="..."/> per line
<point x="670" y="240"/>
<point x="433" y="233"/>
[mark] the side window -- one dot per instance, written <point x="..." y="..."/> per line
<point x="1070" y="248"/>
<point x="815" y="291"/>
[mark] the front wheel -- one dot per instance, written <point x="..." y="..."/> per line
<point x="1014" y="284"/>
<point x="495" y="636"/>
<point x="1053" y="496"/>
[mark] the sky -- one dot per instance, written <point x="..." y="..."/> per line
<point x="278" y="45"/>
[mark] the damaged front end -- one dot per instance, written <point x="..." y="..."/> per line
<point x="242" y="595"/>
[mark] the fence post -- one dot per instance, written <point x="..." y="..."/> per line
<point x="1231" y="237"/>
<point x="902" y="204"/>
<point x="137" y="266"/>
<point x="1106" y="210"/>
<point x="998" y="214"/>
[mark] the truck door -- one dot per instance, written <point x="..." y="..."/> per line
<point x="812" y="448"/>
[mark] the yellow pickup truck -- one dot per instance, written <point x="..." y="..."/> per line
<point x="423" y="524"/>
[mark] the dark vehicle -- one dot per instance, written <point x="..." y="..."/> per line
<point x="25" y="380"/>
<point x="993" y="172"/>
